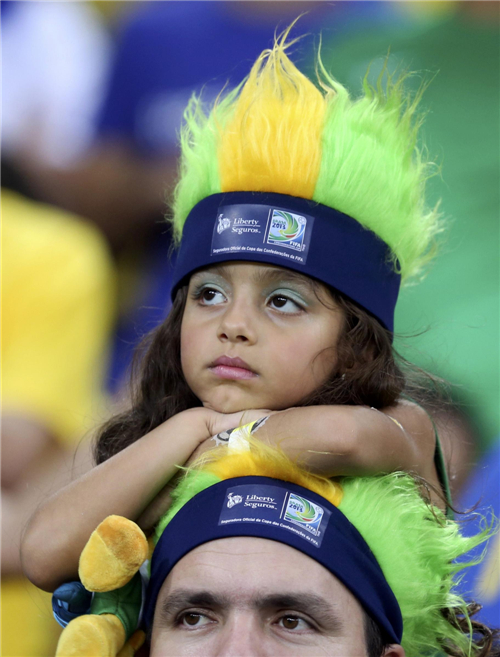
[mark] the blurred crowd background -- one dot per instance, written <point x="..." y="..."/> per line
<point x="93" y="95"/>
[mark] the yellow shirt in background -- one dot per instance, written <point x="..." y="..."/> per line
<point x="57" y="305"/>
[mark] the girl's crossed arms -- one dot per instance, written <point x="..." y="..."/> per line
<point x="251" y="334"/>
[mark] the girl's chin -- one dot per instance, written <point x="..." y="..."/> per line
<point x="229" y="407"/>
<point x="233" y="404"/>
<point x="236" y="405"/>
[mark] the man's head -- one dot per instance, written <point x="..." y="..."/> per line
<point x="257" y="556"/>
<point x="253" y="596"/>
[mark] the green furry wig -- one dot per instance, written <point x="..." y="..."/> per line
<point x="279" y="132"/>
<point x="415" y="544"/>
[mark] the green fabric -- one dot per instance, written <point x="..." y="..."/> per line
<point x="443" y="477"/>
<point x="124" y="603"/>
<point x="459" y="299"/>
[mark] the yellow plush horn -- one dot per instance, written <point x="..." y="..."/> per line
<point x="272" y="142"/>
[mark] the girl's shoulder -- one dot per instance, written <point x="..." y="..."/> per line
<point x="416" y="419"/>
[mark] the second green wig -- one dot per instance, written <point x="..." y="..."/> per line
<point x="415" y="544"/>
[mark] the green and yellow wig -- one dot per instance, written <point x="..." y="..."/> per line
<point x="278" y="132"/>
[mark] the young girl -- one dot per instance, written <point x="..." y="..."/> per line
<point x="297" y="213"/>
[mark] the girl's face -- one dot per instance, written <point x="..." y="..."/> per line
<point x="257" y="336"/>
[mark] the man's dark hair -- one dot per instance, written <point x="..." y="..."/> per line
<point x="373" y="637"/>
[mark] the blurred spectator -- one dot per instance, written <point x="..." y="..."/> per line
<point x="57" y="303"/>
<point x="459" y="300"/>
<point x="55" y="57"/>
<point x="481" y="493"/>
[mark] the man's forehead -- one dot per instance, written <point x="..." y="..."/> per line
<point x="252" y="568"/>
<point x="243" y="549"/>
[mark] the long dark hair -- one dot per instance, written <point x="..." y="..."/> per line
<point x="368" y="372"/>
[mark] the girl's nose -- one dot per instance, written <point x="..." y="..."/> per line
<point x="238" y="324"/>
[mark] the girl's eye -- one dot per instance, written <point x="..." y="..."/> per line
<point x="210" y="296"/>
<point x="285" y="304"/>
<point x="193" y="619"/>
<point x="294" y="623"/>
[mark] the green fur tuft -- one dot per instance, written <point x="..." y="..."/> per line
<point x="373" y="170"/>
<point x="190" y="485"/>
<point x="199" y="167"/>
<point x="416" y="547"/>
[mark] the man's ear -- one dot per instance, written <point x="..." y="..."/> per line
<point x="393" y="651"/>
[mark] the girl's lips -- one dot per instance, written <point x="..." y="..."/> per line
<point x="232" y="368"/>
<point x="235" y="373"/>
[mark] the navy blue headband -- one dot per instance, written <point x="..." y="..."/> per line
<point x="279" y="511"/>
<point x="295" y="233"/>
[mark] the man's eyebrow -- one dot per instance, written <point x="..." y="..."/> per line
<point x="315" y="606"/>
<point x="183" y="598"/>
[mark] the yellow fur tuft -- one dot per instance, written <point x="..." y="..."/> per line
<point x="265" y="461"/>
<point x="272" y="140"/>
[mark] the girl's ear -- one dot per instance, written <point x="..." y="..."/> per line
<point x="393" y="651"/>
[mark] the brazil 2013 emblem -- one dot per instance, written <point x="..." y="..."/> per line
<point x="304" y="513"/>
<point x="287" y="229"/>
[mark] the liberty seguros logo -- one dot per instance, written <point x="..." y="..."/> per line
<point x="251" y="500"/>
<point x="233" y="500"/>
<point x="223" y="223"/>
<point x="239" y="225"/>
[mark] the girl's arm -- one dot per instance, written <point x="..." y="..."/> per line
<point x="123" y="485"/>
<point x="356" y="440"/>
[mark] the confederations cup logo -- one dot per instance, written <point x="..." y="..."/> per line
<point x="304" y="513"/>
<point x="287" y="229"/>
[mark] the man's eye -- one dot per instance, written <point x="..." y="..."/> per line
<point x="193" y="619"/>
<point x="294" y="623"/>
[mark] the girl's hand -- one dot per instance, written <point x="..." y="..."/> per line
<point x="223" y="422"/>
<point x="219" y="422"/>
<point x="216" y="423"/>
